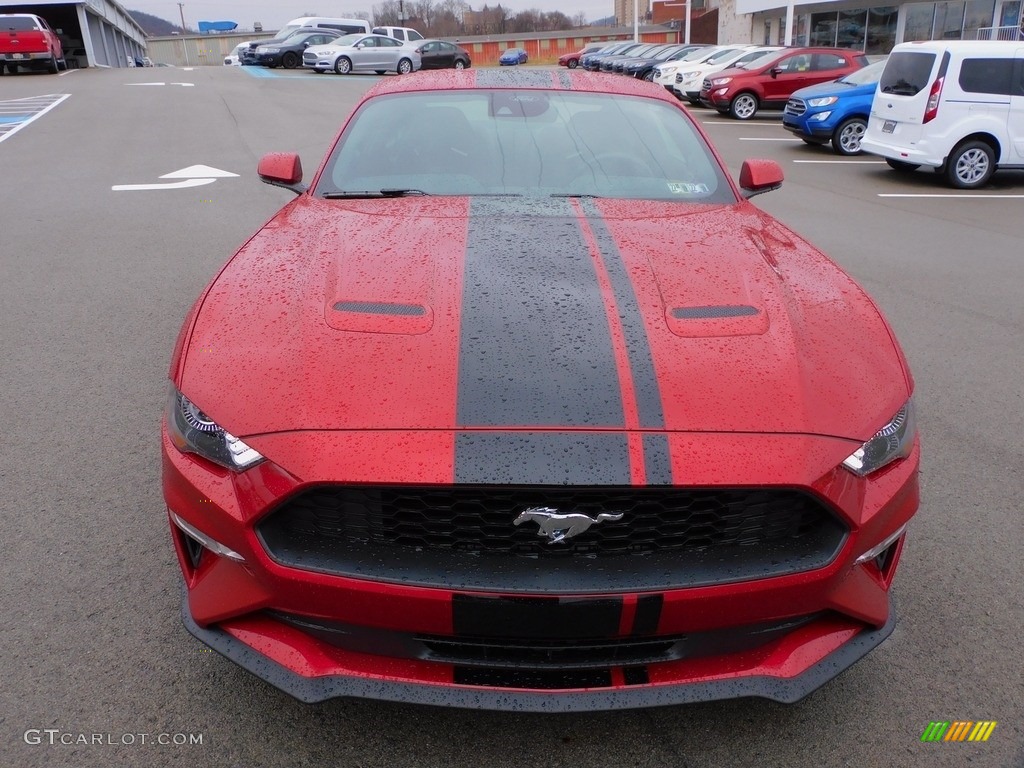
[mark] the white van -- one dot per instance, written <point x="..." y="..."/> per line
<point x="345" y="26"/>
<point x="405" y="34"/>
<point x="953" y="105"/>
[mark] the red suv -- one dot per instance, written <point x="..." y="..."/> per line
<point x="767" y="82"/>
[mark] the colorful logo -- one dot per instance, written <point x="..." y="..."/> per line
<point x="959" y="730"/>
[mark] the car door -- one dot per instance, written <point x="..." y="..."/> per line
<point x="390" y="51"/>
<point x="365" y="54"/>
<point x="445" y="55"/>
<point x="432" y="55"/>
<point x="826" y="67"/>
<point x="790" y="73"/>
<point x="1015" y="124"/>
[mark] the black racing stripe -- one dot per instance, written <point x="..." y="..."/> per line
<point x="535" y="348"/>
<point x="550" y="618"/>
<point x="648" y="395"/>
<point x="648" y="614"/>
<point x="513" y="77"/>
<point x="635" y="676"/>
<point x="656" y="459"/>
<point x="533" y="679"/>
<point x="542" y="458"/>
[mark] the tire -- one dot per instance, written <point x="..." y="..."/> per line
<point x="404" y="67"/>
<point x="902" y="167"/>
<point x="62" y="64"/>
<point x="343" y="65"/>
<point x="12" y="69"/>
<point x="573" y="63"/>
<point x="743" y="106"/>
<point x="290" y="60"/>
<point x="460" y="64"/>
<point x="846" y="139"/>
<point x="649" y="77"/>
<point x="52" y="67"/>
<point x="970" y="165"/>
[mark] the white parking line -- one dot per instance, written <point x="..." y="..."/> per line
<point x="844" y="162"/>
<point x="765" y="138"/>
<point x="36" y="116"/>
<point x="740" y="123"/>
<point x="961" y="196"/>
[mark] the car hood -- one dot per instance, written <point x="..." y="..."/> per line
<point x="834" y="88"/>
<point x="490" y="313"/>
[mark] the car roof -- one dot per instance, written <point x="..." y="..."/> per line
<point x="1002" y="47"/>
<point x="531" y="79"/>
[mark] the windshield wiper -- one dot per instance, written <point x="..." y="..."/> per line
<point x="374" y="193"/>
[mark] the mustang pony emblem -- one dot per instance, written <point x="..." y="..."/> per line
<point x="557" y="527"/>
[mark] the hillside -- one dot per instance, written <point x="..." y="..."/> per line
<point x="154" y="26"/>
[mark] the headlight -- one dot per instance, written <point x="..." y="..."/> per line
<point x="192" y="431"/>
<point x="721" y="81"/>
<point x="687" y="76"/>
<point x="824" y="101"/>
<point x="667" y="70"/>
<point x="893" y="441"/>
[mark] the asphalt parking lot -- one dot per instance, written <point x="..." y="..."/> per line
<point x="120" y="203"/>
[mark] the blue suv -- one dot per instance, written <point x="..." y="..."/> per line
<point x="836" y="111"/>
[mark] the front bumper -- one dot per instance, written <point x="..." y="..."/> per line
<point x="760" y="683"/>
<point x="808" y="130"/>
<point x="841" y="609"/>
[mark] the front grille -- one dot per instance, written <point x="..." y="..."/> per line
<point x="795" y="107"/>
<point x="699" y="535"/>
<point x="706" y="85"/>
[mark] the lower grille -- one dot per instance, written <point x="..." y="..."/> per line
<point x="544" y="654"/>
<point x="434" y="535"/>
<point x="795" y="107"/>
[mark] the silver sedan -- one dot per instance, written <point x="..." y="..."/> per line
<point x="363" y="53"/>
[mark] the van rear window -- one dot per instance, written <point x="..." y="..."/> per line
<point x="987" y="76"/>
<point x="907" y="73"/>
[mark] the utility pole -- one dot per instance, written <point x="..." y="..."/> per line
<point x="184" y="29"/>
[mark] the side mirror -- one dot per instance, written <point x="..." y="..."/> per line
<point x="359" y="46"/>
<point x="776" y="71"/>
<point x="759" y="176"/>
<point x="282" y="169"/>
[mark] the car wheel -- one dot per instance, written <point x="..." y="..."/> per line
<point x="62" y="64"/>
<point x="460" y="64"/>
<point x="846" y="139"/>
<point x="572" y="64"/>
<point x="743" y="106"/>
<point x="343" y="65"/>
<point x="404" y="67"/>
<point x="52" y="67"/>
<point x="970" y="165"/>
<point x="290" y="60"/>
<point x="902" y="167"/>
<point x="649" y="77"/>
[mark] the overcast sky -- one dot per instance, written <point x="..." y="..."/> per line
<point x="274" y="14"/>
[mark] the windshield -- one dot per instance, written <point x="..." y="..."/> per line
<point x="872" y="73"/>
<point x="762" y="61"/>
<point x="698" y="55"/>
<point x="523" y="142"/>
<point x="348" y="39"/>
<point x="723" y="54"/>
<point x="285" y="31"/>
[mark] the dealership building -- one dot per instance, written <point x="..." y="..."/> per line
<point x="865" y="26"/>
<point x="94" y="33"/>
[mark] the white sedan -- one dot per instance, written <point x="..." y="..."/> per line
<point x="363" y="53"/>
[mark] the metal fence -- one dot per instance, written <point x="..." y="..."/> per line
<point x="1000" y="33"/>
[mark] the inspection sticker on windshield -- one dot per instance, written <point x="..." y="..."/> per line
<point x="687" y="188"/>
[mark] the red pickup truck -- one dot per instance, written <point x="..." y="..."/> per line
<point x="28" y="41"/>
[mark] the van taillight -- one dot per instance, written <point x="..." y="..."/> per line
<point x="931" y="111"/>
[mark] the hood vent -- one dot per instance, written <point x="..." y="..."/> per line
<point x="712" y="313"/>
<point x="381" y="308"/>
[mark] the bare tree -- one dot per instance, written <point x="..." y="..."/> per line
<point x="579" y="20"/>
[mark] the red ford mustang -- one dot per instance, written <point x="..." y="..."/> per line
<point x="521" y="404"/>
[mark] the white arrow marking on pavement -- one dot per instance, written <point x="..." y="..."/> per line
<point x="172" y="185"/>
<point x="199" y="172"/>
<point x="145" y="83"/>
<point x="187" y="85"/>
